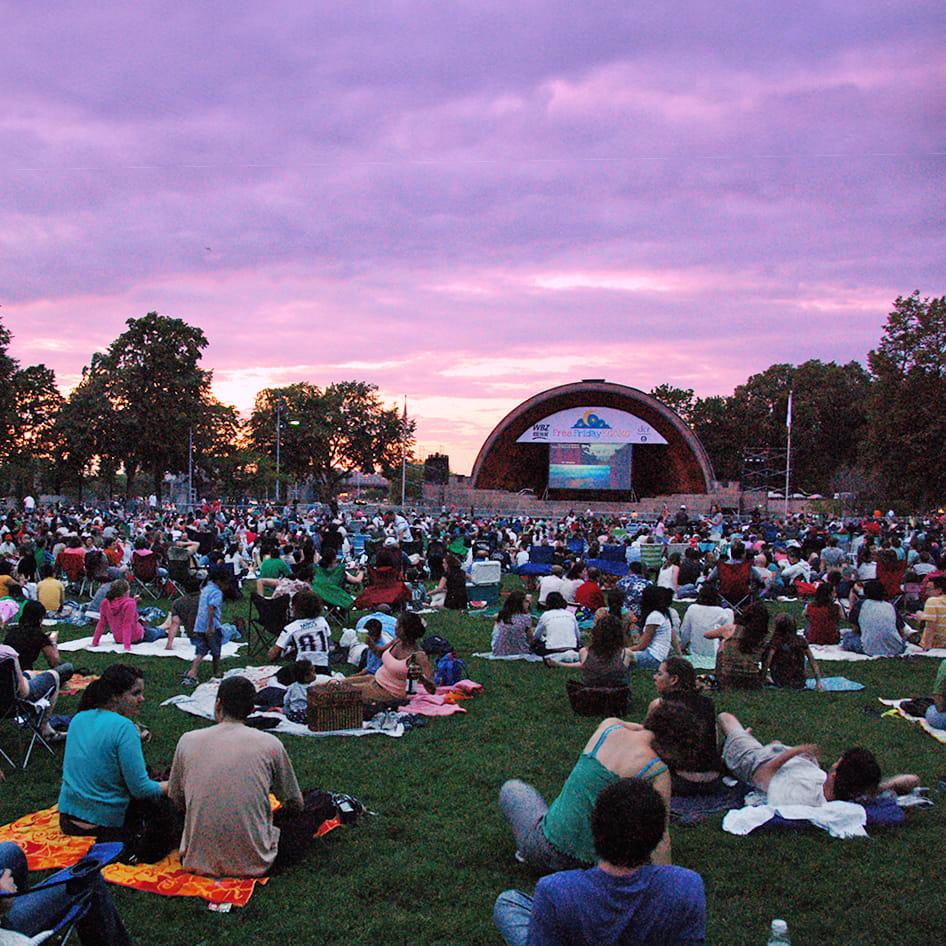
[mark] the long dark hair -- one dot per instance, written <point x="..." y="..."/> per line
<point x="755" y="627"/>
<point x="514" y="604"/>
<point x="607" y="637"/>
<point x="676" y="732"/>
<point x="116" y="680"/>
<point x="652" y="600"/>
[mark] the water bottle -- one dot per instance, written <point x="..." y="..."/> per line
<point x="779" y="934"/>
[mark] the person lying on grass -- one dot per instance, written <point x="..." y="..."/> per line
<point x="790" y="775"/>
<point x="558" y="837"/>
<point x="625" y="898"/>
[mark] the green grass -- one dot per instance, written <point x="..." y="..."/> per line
<point x="428" y="867"/>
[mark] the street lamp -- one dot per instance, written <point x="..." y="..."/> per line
<point x="293" y="423"/>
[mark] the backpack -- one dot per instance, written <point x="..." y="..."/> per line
<point x="449" y="670"/>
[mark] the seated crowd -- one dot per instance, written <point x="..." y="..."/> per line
<point x="604" y="839"/>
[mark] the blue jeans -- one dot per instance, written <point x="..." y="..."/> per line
<point x="152" y="634"/>
<point x="511" y="914"/>
<point x="935" y="718"/>
<point x="524" y="808"/>
<point x="43" y="909"/>
<point x="851" y="640"/>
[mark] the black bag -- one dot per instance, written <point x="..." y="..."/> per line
<point x="917" y="706"/>
<point x="152" y="830"/>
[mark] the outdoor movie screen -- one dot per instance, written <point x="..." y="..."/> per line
<point x="590" y="465"/>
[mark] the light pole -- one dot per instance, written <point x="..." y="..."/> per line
<point x="279" y="403"/>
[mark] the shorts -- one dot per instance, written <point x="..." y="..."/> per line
<point x="743" y="754"/>
<point x="204" y="645"/>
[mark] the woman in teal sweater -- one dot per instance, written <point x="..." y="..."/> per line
<point x="103" y="768"/>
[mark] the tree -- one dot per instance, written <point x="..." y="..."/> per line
<point x="151" y="381"/>
<point x="327" y="433"/>
<point x="37" y="402"/>
<point x="906" y="410"/>
<point x="680" y="400"/>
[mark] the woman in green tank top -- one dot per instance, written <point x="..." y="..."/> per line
<point x="558" y="837"/>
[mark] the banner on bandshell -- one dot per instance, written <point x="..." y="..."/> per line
<point x="591" y="425"/>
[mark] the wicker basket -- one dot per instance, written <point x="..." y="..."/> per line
<point x="334" y="706"/>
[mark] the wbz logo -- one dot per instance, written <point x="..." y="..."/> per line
<point x="540" y="431"/>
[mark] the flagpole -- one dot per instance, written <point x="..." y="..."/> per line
<point x="404" y="455"/>
<point x="788" y="449"/>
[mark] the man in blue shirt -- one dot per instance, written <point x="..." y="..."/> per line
<point x="207" y="636"/>
<point x="624" y="900"/>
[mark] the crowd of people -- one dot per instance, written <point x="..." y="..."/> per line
<point x="604" y="838"/>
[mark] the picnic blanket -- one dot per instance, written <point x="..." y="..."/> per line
<point x="487" y="655"/>
<point x="444" y="701"/>
<point x="183" y="648"/>
<point x="834" y="652"/>
<point x="834" y="684"/>
<point x="692" y="809"/>
<point x="46" y="846"/>
<point x="200" y="702"/>
<point x="938" y="734"/>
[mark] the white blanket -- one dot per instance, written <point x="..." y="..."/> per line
<point x="183" y="648"/>
<point x="937" y="734"/>
<point x="834" y="652"/>
<point x="841" y="819"/>
<point x="200" y="702"/>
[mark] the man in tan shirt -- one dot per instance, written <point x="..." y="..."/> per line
<point x="222" y="777"/>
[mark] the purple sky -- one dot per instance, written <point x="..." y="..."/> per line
<point x="468" y="203"/>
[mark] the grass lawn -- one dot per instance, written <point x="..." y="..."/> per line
<point x="427" y="869"/>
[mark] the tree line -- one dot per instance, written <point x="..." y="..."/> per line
<point x="877" y="431"/>
<point x="144" y="408"/>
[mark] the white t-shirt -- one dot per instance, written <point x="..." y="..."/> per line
<point x="799" y="782"/>
<point x="310" y="637"/>
<point x="559" y="629"/>
<point x="660" y="644"/>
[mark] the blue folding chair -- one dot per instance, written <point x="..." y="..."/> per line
<point x="78" y="881"/>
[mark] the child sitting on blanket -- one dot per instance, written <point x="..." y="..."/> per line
<point x="295" y="703"/>
<point x="783" y="664"/>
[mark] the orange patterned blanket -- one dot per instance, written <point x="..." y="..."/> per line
<point x="46" y="846"/>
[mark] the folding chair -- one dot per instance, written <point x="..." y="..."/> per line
<point x="385" y="586"/>
<point x="179" y="568"/>
<point x="24" y="715"/>
<point x="735" y="584"/>
<point x="272" y="615"/>
<point x="540" y="561"/>
<point x="94" y="566"/>
<point x="72" y="562"/>
<point x="79" y="880"/>
<point x="144" y="570"/>
<point x="652" y="555"/>
<point x="890" y="575"/>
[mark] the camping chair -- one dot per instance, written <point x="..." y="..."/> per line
<point x="179" y="567"/>
<point x="385" y="586"/>
<point x="73" y="566"/>
<point x="735" y="587"/>
<point x="652" y="556"/>
<point x="79" y="881"/>
<point x="890" y="575"/>
<point x="94" y="569"/>
<point x="540" y="561"/>
<point x="597" y="701"/>
<point x="272" y="615"/>
<point x="144" y="570"/>
<point x="26" y="716"/>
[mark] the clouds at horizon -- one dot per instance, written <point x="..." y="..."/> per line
<point x="469" y="204"/>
